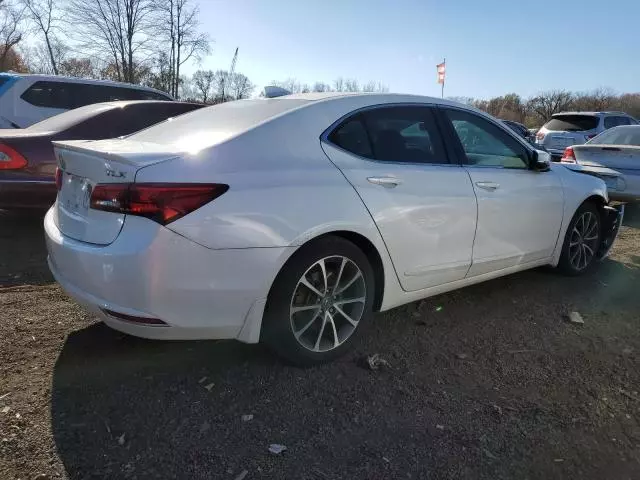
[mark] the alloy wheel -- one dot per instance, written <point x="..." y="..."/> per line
<point x="327" y="303"/>
<point x="583" y="242"/>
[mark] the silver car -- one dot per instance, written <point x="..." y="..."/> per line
<point x="614" y="156"/>
<point x="575" y="128"/>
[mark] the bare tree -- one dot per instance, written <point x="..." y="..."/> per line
<point x="338" y="85"/>
<point x="43" y="15"/>
<point x="11" y="32"/>
<point x="79" y="67"/>
<point x="116" y="29"/>
<point x="203" y="85"/>
<point x="375" y="87"/>
<point x="240" y="87"/>
<point x="321" y="87"/>
<point x="547" y="103"/>
<point x="178" y="22"/>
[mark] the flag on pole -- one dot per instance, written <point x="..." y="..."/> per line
<point x="441" y="72"/>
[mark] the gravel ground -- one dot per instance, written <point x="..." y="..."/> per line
<point x="488" y="382"/>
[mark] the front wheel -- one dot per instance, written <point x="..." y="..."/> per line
<point x="582" y="241"/>
<point x="319" y="302"/>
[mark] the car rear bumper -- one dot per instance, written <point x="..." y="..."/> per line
<point x="27" y="194"/>
<point x="150" y="272"/>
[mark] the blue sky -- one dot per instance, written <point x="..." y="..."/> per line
<point x="492" y="46"/>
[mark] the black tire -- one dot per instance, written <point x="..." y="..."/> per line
<point x="567" y="263"/>
<point x="277" y="327"/>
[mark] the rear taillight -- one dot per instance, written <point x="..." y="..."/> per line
<point x="10" y="159"/>
<point x="589" y="137"/>
<point x="160" y="202"/>
<point x="58" y="178"/>
<point x="568" y="156"/>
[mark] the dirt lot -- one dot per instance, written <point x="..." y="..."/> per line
<point x="487" y="382"/>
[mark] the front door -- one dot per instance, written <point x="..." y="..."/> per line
<point x="423" y="206"/>
<point x="519" y="210"/>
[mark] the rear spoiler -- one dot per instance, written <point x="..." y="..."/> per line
<point x="123" y="151"/>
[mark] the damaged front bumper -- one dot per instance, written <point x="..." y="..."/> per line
<point x="611" y="222"/>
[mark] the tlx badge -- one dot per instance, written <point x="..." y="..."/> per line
<point x="111" y="172"/>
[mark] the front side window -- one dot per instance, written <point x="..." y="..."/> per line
<point x="610" y="122"/>
<point x="485" y="144"/>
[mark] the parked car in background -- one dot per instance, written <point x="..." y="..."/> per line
<point x="575" y="128"/>
<point x="519" y="128"/>
<point x="614" y="156"/>
<point x="27" y="99"/>
<point x="27" y="160"/>
<point x="289" y="220"/>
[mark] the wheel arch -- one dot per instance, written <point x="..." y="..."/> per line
<point x="594" y="197"/>
<point x="365" y="245"/>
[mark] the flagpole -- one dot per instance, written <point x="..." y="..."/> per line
<point x="445" y="65"/>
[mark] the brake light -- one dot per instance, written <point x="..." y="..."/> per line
<point x="160" y="202"/>
<point x="10" y="159"/>
<point x="589" y="137"/>
<point x="568" y="156"/>
<point x="58" y="178"/>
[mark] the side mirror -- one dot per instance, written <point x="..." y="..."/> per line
<point x="540" y="161"/>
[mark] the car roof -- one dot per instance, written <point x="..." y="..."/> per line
<point x="592" y="114"/>
<point x="62" y="78"/>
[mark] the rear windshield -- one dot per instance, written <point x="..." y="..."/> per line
<point x="572" y="123"/>
<point x="207" y="126"/>
<point x="68" y="119"/>
<point x="618" y="136"/>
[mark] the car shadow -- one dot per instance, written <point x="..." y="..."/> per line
<point x="128" y="407"/>
<point x="24" y="254"/>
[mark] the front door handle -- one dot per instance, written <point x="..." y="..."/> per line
<point x="490" y="186"/>
<point x="387" y="182"/>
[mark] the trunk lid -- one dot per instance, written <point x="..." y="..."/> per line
<point x="84" y="164"/>
<point x="622" y="157"/>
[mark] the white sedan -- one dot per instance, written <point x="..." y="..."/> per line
<point x="290" y="220"/>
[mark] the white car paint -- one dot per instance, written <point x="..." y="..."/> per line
<point x="208" y="274"/>
<point x="15" y="112"/>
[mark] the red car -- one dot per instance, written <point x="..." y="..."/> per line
<point x="27" y="161"/>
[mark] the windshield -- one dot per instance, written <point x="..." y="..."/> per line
<point x="572" y="123"/>
<point x="68" y="119"/>
<point x="628" y="135"/>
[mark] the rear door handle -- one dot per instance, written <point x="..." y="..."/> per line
<point x="490" y="186"/>
<point x="387" y="182"/>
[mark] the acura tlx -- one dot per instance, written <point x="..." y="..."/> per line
<point x="290" y="220"/>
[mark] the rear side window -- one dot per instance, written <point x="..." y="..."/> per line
<point x="572" y="123"/>
<point x="50" y="95"/>
<point x="352" y="136"/>
<point x="610" y="122"/>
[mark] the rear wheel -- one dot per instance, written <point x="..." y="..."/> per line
<point x="319" y="302"/>
<point x="582" y="241"/>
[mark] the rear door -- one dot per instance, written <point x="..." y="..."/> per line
<point x="423" y="205"/>
<point x="519" y="210"/>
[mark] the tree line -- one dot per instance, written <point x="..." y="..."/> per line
<point x="146" y="42"/>
<point x="536" y="110"/>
